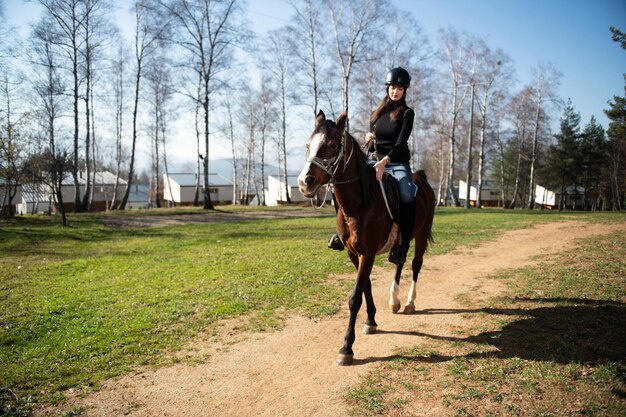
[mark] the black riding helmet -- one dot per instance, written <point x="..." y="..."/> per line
<point x="399" y="76"/>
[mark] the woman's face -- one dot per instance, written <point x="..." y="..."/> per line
<point x="395" y="92"/>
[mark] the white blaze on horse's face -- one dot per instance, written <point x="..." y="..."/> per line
<point x="306" y="181"/>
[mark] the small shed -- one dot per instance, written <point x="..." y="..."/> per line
<point x="545" y="197"/>
<point x="276" y="193"/>
<point x="36" y="198"/>
<point x="180" y="189"/>
<point x="489" y="196"/>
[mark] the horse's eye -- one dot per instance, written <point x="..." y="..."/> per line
<point x="333" y="145"/>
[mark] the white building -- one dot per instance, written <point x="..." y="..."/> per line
<point x="489" y="196"/>
<point x="180" y="189"/>
<point x="38" y="197"/>
<point x="276" y="192"/>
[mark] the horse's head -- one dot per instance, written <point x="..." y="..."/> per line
<point x="324" y="151"/>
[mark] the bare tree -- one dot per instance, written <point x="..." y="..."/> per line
<point x="354" y="23"/>
<point x="544" y="90"/>
<point x="276" y="63"/>
<point x="521" y="111"/>
<point x="119" y="88"/>
<point x="306" y="43"/>
<point x="455" y="54"/>
<point x="230" y="129"/>
<point x="160" y="92"/>
<point x="494" y="69"/>
<point x="209" y="31"/>
<point x="12" y="156"/>
<point x="50" y="167"/>
<point x="149" y="30"/>
<point x="249" y="118"/>
<point x="68" y="17"/>
<point x="95" y="30"/>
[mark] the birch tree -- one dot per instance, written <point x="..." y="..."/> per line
<point x="496" y="69"/>
<point x="118" y="91"/>
<point x="455" y="55"/>
<point x="149" y="30"/>
<point x="209" y="31"/>
<point x="354" y="23"/>
<point x="276" y="64"/>
<point x="544" y="91"/>
<point x="68" y="17"/>
<point x="306" y="44"/>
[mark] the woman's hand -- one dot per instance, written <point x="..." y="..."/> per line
<point x="380" y="167"/>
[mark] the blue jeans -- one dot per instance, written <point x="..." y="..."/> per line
<point x="404" y="178"/>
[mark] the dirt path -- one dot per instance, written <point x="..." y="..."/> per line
<point x="292" y="372"/>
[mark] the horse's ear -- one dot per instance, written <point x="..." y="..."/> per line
<point x="341" y="121"/>
<point x="320" y="118"/>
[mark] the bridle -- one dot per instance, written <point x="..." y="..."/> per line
<point x="331" y="165"/>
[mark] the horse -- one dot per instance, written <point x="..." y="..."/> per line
<point x="363" y="223"/>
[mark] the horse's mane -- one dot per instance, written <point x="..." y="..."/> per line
<point x="366" y="175"/>
<point x="367" y="178"/>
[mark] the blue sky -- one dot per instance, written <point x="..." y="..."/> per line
<point x="571" y="34"/>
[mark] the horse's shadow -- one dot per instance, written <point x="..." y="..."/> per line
<point x="573" y="331"/>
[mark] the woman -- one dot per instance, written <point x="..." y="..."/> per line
<point x="391" y="124"/>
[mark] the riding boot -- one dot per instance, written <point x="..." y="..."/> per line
<point x="334" y="242"/>
<point x="398" y="253"/>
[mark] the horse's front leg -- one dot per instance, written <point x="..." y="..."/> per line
<point x="370" y="323"/>
<point x="355" y="301"/>
<point x="394" y="301"/>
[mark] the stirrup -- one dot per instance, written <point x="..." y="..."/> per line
<point x="335" y="243"/>
<point x="397" y="255"/>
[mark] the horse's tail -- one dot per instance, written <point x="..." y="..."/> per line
<point x="419" y="174"/>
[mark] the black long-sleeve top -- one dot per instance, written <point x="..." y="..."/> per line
<point x="392" y="136"/>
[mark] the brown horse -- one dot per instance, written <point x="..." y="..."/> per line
<point x="363" y="223"/>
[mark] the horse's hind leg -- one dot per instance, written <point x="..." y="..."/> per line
<point x="409" y="307"/>
<point x="394" y="301"/>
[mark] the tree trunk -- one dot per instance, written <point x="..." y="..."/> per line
<point x="470" y="142"/>
<point x="533" y="159"/>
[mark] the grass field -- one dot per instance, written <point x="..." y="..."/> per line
<point x="84" y="303"/>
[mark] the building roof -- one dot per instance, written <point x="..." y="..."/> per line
<point x="102" y="178"/>
<point x="189" y="180"/>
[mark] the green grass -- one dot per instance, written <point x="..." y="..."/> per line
<point x="553" y="345"/>
<point x="84" y="303"/>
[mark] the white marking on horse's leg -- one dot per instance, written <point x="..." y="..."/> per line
<point x="409" y="308"/>
<point x="394" y="301"/>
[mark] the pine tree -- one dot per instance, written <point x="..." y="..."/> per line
<point x="565" y="158"/>
<point x="617" y="150"/>
<point x="592" y="152"/>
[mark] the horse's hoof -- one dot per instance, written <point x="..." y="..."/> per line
<point x="344" y="359"/>
<point x="369" y="329"/>
<point x="409" y="309"/>
<point x="394" y="308"/>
